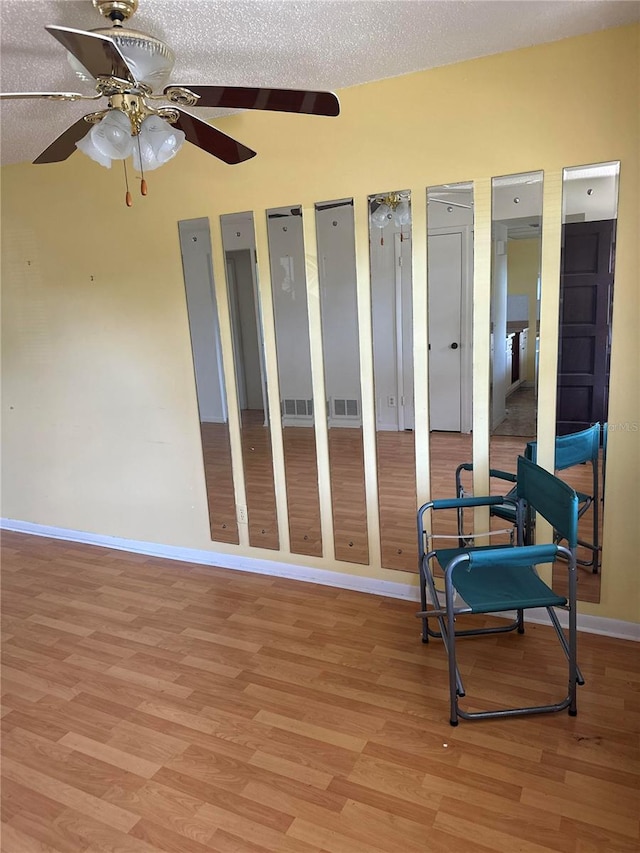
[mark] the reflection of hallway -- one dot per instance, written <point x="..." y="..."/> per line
<point x="521" y="414"/>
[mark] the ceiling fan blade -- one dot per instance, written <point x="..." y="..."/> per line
<point x="52" y="96"/>
<point x="212" y="140"/>
<point x="65" y="144"/>
<point x="281" y="100"/>
<point x="98" y="54"/>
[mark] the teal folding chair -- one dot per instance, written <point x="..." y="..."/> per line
<point x="581" y="448"/>
<point x="494" y="580"/>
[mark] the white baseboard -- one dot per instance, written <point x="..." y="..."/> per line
<point x="325" y="577"/>
<point x="409" y="592"/>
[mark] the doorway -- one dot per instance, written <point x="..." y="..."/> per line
<point x="247" y="341"/>
<point x="450" y="271"/>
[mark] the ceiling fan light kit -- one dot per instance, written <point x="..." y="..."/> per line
<point x="127" y="67"/>
<point x="394" y="207"/>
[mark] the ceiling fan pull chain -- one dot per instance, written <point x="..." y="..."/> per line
<point x="143" y="183"/>
<point x="127" y="197"/>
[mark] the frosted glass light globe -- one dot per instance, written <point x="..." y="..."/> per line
<point x="158" y="143"/>
<point x="402" y="214"/>
<point x="380" y="216"/>
<point x="112" y="137"/>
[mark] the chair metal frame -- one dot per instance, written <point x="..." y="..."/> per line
<point x="514" y="565"/>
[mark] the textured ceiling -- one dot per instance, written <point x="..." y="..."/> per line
<point x="321" y="44"/>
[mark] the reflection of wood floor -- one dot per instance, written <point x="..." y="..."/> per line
<point x="521" y="414"/>
<point x="396" y="483"/>
<point x="153" y="706"/>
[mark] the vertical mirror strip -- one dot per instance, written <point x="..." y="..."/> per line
<point x="341" y="357"/>
<point x="363" y="284"/>
<point x="323" y="470"/>
<point x="515" y="313"/>
<point x="392" y="324"/>
<point x="481" y="345"/>
<point x="273" y="388"/>
<point x="295" y="380"/>
<point x="238" y="240"/>
<point x="587" y="285"/>
<point x="204" y="327"/>
<point x="450" y="217"/>
<point x="419" y="266"/>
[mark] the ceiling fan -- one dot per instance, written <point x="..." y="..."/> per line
<point x="130" y="69"/>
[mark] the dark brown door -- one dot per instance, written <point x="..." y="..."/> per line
<point x="586" y="299"/>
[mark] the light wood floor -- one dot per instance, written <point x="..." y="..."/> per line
<point x="151" y="706"/>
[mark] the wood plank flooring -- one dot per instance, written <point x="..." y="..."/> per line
<point x="151" y="706"/>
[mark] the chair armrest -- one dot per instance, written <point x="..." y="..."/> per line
<point x="503" y="475"/>
<point x="454" y="503"/>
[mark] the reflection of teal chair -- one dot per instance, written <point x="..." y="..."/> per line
<point x="493" y="580"/>
<point x="505" y="510"/>
<point x="573" y="449"/>
<point x="580" y="448"/>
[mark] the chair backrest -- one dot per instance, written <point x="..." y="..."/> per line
<point x="572" y="449"/>
<point x="549" y="496"/>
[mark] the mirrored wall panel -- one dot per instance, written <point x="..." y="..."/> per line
<point x="450" y="316"/>
<point x="289" y="288"/>
<point x="341" y="354"/>
<point x="392" y="321"/>
<point x="515" y="320"/>
<point x="195" y="245"/>
<point x="238" y="239"/>
<point x="589" y="221"/>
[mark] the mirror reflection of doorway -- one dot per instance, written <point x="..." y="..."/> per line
<point x="450" y="276"/>
<point x="515" y="305"/>
<point x="252" y="393"/>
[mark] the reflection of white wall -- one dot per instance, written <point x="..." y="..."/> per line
<point x="499" y="379"/>
<point x="237" y="231"/>
<point x="579" y="205"/>
<point x="286" y="258"/>
<point x="517" y="198"/>
<point x="195" y="243"/>
<point x="337" y="260"/>
<point x="443" y="214"/>
<point x="517" y="308"/>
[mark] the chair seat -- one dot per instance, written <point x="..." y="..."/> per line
<point x="489" y="588"/>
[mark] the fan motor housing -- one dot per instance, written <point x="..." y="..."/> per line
<point x="116" y="10"/>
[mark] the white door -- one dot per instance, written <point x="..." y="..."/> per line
<point x="445" y="300"/>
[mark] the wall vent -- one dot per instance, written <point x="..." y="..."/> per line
<point x="296" y="408"/>
<point x="345" y="408"/>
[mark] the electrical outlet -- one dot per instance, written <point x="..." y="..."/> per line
<point x="391" y="401"/>
<point x="241" y="514"/>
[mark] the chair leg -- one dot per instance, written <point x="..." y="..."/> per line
<point x="423" y="603"/>
<point x="520" y="619"/>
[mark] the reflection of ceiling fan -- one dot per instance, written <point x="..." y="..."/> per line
<point x="127" y="67"/>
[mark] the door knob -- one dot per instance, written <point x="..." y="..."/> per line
<point x="454" y="345"/>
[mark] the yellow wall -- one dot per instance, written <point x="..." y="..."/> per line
<point x="523" y="268"/>
<point x="99" y="408"/>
